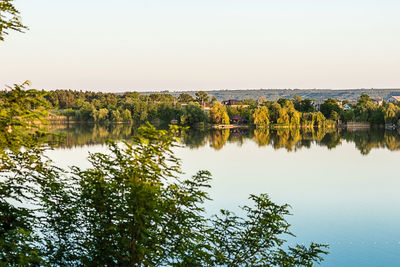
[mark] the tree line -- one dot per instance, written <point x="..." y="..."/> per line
<point x="204" y="109"/>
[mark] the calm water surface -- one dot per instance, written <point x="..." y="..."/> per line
<point x="343" y="186"/>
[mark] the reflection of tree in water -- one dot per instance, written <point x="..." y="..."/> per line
<point x="315" y="134"/>
<point x="238" y="135"/>
<point x="262" y="136"/>
<point x="218" y="138"/>
<point x="331" y="140"/>
<point x="194" y="138"/>
<point x="366" y="140"/>
<point x="286" y="138"/>
<point x="91" y="134"/>
<point x="392" y="141"/>
<point x="291" y="139"/>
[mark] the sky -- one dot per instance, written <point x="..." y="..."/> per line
<point x="151" y="45"/>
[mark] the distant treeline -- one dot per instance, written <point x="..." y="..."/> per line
<point x="275" y="94"/>
<point x="204" y="109"/>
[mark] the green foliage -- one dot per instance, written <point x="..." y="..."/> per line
<point x="225" y="118"/>
<point x="202" y="97"/>
<point x="364" y="108"/>
<point x="116" y="115"/>
<point x="285" y="103"/>
<point x="192" y="114"/>
<point x="244" y="112"/>
<point x="100" y="115"/>
<point x="242" y="242"/>
<point x="328" y="107"/>
<point x="126" y="115"/>
<point x="251" y="102"/>
<point x="134" y="209"/>
<point x="320" y="119"/>
<point x="313" y="119"/>
<point x="295" y="116"/>
<point x="21" y="160"/>
<point x="334" y="115"/>
<point x="261" y="116"/>
<point x="392" y="113"/>
<point x="9" y="19"/>
<point x="185" y="98"/>
<point x="21" y="112"/>
<point x="304" y="105"/>
<point x="162" y="107"/>
<point x="69" y="112"/>
<point x="348" y="115"/>
<point x="218" y="114"/>
<point x="283" y="116"/>
<point x="378" y="116"/>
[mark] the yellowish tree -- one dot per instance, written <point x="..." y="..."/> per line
<point x="261" y="116"/>
<point x="219" y="114"/>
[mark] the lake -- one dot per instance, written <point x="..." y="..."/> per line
<point x="343" y="186"/>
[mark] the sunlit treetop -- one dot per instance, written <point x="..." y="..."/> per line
<point x="9" y="19"/>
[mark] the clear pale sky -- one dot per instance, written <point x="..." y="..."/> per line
<point x="209" y="44"/>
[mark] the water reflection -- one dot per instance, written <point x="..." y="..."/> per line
<point x="290" y="139"/>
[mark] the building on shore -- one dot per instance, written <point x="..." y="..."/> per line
<point x="234" y="103"/>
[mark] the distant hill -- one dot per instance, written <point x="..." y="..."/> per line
<point x="273" y="94"/>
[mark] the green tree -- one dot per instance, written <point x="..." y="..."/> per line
<point x="365" y="108"/>
<point x="225" y="118"/>
<point x="283" y="116"/>
<point x="202" y="97"/>
<point x="328" y="106"/>
<point x="185" y="98"/>
<point x="85" y="111"/>
<point x="20" y="110"/>
<point x="319" y="120"/>
<point x="21" y="113"/>
<point x="239" y="241"/>
<point x="261" y="116"/>
<point x="126" y="115"/>
<point x="305" y="105"/>
<point x="348" y="115"/>
<point x="334" y="116"/>
<point x="219" y="114"/>
<point x="192" y="114"/>
<point x="295" y="116"/>
<point x="392" y="113"/>
<point x="100" y="115"/>
<point x="116" y="115"/>
<point x="285" y="103"/>
<point x="9" y="19"/>
<point x="275" y="109"/>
